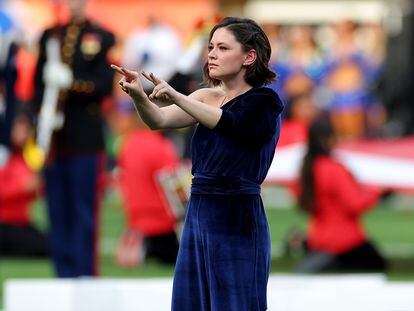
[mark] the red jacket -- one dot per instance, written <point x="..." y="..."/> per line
<point x="15" y="199"/>
<point x="335" y="226"/>
<point x="142" y="155"/>
<point x="292" y="132"/>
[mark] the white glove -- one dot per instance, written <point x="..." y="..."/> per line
<point x="57" y="74"/>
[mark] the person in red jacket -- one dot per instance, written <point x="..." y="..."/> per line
<point x="150" y="221"/>
<point x="301" y="111"/>
<point x="335" y="203"/>
<point x="19" y="186"/>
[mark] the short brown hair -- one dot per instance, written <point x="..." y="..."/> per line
<point x="249" y="34"/>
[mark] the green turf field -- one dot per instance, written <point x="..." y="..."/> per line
<point x="391" y="228"/>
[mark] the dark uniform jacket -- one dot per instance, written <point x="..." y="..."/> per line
<point x="85" y="49"/>
<point x="8" y="76"/>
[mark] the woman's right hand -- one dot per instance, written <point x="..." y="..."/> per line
<point x="130" y="83"/>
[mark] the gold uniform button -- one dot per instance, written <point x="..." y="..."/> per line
<point x="90" y="87"/>
<point x="72" y="36"/>
<point x="69" y="43"/>
<point x="73" y="30"/>
<point x="82" y="86"/>
<point x="67" y="50"/>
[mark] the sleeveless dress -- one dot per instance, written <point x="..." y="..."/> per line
<point x="224" y="257"/>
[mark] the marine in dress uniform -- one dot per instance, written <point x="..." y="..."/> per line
<point x="75" y="159"/>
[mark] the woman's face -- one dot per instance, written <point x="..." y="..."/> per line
<point x="226" y="56"/>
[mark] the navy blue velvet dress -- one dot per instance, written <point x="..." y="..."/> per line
<point x="224" y="257"/>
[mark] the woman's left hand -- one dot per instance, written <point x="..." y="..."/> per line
<point x="162" y="90"/>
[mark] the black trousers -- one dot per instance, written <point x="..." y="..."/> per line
<point x="22" y="241"/>
<point x="363" y="258"/>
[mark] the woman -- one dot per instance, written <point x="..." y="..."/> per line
<point x="335" y="203"/>
<point x="224" y="256"/>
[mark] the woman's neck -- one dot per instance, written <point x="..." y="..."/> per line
<point x="233" y="89"/>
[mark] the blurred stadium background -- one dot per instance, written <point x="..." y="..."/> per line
<point x="391" y="223"/>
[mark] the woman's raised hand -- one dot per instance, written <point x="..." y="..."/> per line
<point x="130" y="83"/>
<point x="162" y="90"/>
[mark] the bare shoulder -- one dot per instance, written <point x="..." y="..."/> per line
<point x="208" y="96"/>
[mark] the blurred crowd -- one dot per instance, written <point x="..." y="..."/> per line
<point x="332" y="70"/>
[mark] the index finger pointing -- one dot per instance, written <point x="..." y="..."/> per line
<point x="155" y="79"/>
<point x="147" y="76"/>
<point x="117" y="69"/>
<point x="151" y="77"/>
<point x="129" y="73"/>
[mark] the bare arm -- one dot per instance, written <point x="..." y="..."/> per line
<point x="192" y="105"/>
<point x="176" y="117"/>
<point x="156" y="113"/>
<point x="181" y="110"/>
